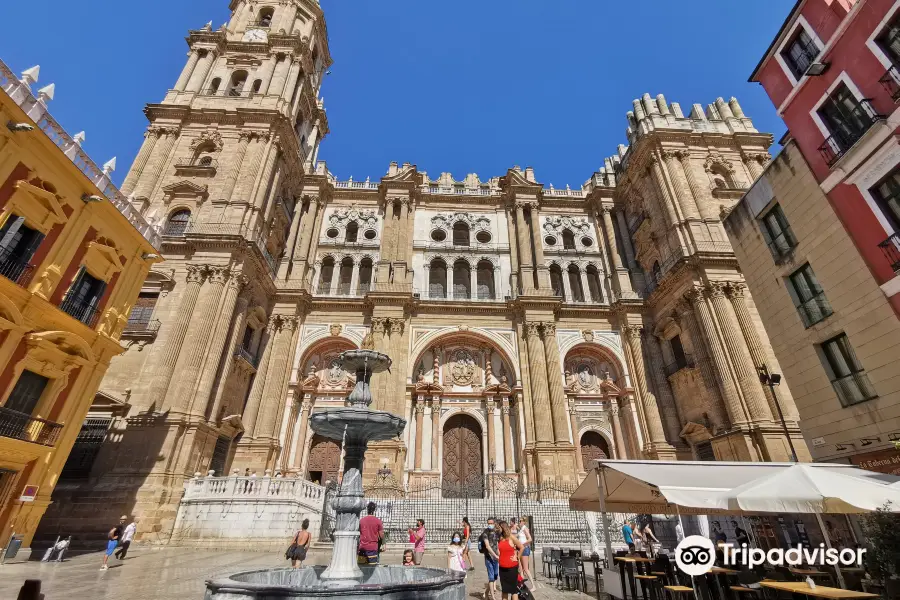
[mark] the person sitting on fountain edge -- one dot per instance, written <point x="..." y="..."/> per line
<point x="371" y="537"/>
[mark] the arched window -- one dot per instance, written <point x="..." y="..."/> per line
<point x="595" y="286"/>
<point x="352" y="231"/>
<point x="437" y="279"/>
<point x="721" y="178"/>
<point x="265" y="17"/>
<point x="556" y="281"/>
<point x="656" y="272"/>
<point x="575" y="284"/>
<point x="462" y="280"/>
<point x="345" y="277"/>
<point x="205" y="160"/>
<point x="460" y="234"/>
<point x="177" y="222"/>
<point x="238" y="79"/>
<point x="257" y="84"/>
<point x="214" y="86"/>
<point x="485" y="280"/>
<point x="568" y="239"/>
<point x="365" y="276"/>
<point x="325" y="275"/>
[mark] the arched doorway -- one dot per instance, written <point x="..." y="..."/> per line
<point x="593" y="447"/>
<point x="462" y="460"/>
<point x="324" y="460"/>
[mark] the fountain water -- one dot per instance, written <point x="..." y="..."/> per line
<point x="357" y="425"/>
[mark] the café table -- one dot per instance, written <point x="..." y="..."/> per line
<point x="627" y="563"/>
<point x="820" y="591"/>
<point x="716" y="573"/>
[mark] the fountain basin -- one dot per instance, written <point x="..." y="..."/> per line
<point x="373" y="424"/>
<point x="379" y="582"/>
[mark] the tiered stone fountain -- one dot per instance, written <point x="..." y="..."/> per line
<point x="356" y="425"/>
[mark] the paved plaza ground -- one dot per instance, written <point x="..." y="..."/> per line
<point x="164" y="573"/>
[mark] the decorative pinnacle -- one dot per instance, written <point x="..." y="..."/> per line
<point x="78" y="138"/>
<point x="47" y="92"/>
<point x="109" y="166"/>
<point x="30" y="76"/>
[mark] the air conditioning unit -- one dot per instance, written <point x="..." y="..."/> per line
<point x="817" y="68"/>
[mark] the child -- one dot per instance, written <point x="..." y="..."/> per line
<point x="455" y="560"/>
<point x="408" y="559"/>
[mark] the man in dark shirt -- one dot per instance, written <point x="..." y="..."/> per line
<point x="371" y="534"/>
<point x="489" y="545"/>
<point x="112" y="540"/>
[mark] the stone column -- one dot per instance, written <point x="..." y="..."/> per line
<point x="610" y="231"/>
<point x="193" y="350"/>
<point x="717" y="413"/>
<point x="757" y="352"/>
<point x="648" y="401"/>
<point x="626" y="241"/>
<point x="213" y="353"/>
<point x="307" y="231"/>
<point x="555" y="383"/>
<point x="305" y="409"/>
<point x="621" y="452"/>
<point x="234" y="341"/>
<point x="682" y="187"/>
<point x="667" y="406"/>
<point x="162" y="376"/>
<point x="573" y="418"/>
<point x="150" y="174"/>
<point x="526" y="265"/>
<point x="402" y="233"/>
<point x="513" y="255"/>
<point x="755" y="162"/>
<point x="291" y="242"/>
<point x="508" y="461"/>
<point x="273" y="400"/>
<point x="193" y="57"/>
<point x="195" y="82"/>
<point x="291" y="81"/>
<point x="254" y="401"/>
<point x="748" y="380"/>
<point x="732" y="401"/>
<point x="539" y="265"/>
<point x="540" y="394"/>
<point x="489" y="417"/>
<point x="699" y="188"/>
<point x="662" y="188"/>
<point x="435" y="433"/>
<point x="420" y="437"/>
<point x="140" y="161"/>
<point x="250" y="168"/>
<point x="258" y="200"/>
<point x="237" y="162"/>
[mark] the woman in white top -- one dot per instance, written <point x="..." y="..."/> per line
<point x="524" y="535"/>
<point x="455" y="560"/>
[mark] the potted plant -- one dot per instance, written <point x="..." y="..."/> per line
<point x="882" y="558"/>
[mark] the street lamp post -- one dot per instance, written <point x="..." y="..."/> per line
<point x="771" y="380"/>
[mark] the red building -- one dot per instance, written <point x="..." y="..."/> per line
<point x="832" y="72"/>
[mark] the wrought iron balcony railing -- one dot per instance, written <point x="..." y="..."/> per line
<point x="248" y="356"/>
<point x="197" y="162"/>
<point x="175" y="228"/>
<point x="141" y="327"/>
<point x="891" y="82"/>
<point x="19" y="426"/>
<point x="86" y="312"/>
<point x="854" y="126"/>
<point x="891" y="249"/>
<point x="14" y="267"/>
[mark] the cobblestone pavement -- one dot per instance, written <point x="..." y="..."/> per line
<point x="168" y="573"/>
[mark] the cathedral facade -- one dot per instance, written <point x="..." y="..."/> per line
<point x="532" y="329"/>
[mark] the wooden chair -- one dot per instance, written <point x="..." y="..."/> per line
<point x="651" y="582"/>
<point x="679" y="592"/>
<point x="743" y="589"/>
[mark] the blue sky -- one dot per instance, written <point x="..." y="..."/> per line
<point x="462" y="86"/>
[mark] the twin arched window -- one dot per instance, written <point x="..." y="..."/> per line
<point x="571" y="281"/>
<point x="462" y="280"/>
<point x="343" y="284"/>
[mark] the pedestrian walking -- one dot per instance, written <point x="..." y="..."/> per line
<point x="455" y="554"/>
<point x="417" y="537"/>
<point x="371" y="537"/>
<point x="467" y="542"/>
<point x="524" y="535"/>
<point x="489" y="545"/>
<point x="628" y="534"/>
<point x="510" y="562"/>
<point x="112" y="541"/>
<point x="299" y="546"/>
<point x="649" y="538"/>
<point x="127" y="536"/>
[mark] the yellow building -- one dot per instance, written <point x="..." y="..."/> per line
<point x="73" y="257"/>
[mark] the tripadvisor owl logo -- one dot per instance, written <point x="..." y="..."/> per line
<point x="695" y="555"/>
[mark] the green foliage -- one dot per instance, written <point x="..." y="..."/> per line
<point x="882" y="535"/>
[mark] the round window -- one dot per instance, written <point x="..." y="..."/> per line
<point x="370" y="234"/>
<point x="483" y="237"/>
<point x="587" y="242"/>
<point x="332" y="233"/>
<point x="439" y="235"/>
<point x="550" y="240"/>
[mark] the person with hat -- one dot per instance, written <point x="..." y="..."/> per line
<point x="112" y="541"/>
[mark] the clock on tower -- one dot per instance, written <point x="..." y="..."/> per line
<point x="255" y="35"/>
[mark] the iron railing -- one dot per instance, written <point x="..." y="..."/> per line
<point x="15" y="267"/>
<point x="247" y="356"/>
<point x="141" y="326"/>
<point x="674" y="367"/>
<point x="175" y="228"/>
<point x="19" y="426"/>
<point x="891" y="82"/>
<point x="86" y="312"/>
<point x="854" y="388"/>
<point x="891" y="249"/>
<point x="260" y="24"/>
<point x="814" y="310"/>
<point x="197" y="162"/>
<point x="854" y="126"/>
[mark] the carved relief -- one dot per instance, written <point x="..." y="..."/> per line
<point x="210" y="138"/>
<point x="462" y="367"/>
<point x="585" y="374"/>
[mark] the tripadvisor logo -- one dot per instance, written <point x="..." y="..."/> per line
<point x="695" y="555"/>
